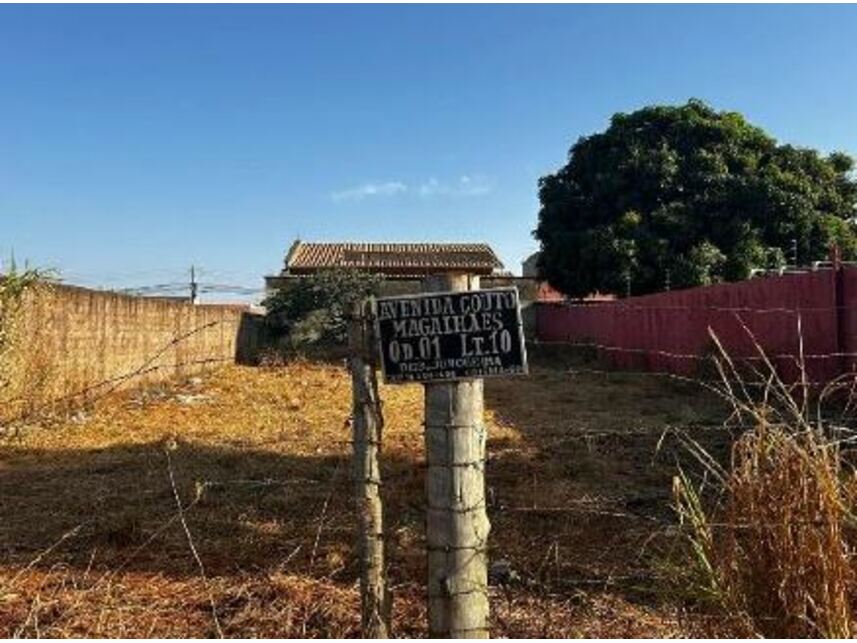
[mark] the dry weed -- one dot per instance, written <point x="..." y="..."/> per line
<point x="260" y="466"/>
<point x="771" y="535"/>
<point x="27" y="372"/>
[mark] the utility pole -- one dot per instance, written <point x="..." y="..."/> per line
<point x="194" y="287"/>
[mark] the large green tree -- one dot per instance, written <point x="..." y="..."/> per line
<point x="684" y="196"/>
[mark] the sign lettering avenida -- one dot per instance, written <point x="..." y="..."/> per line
<point x="451" y="336"/>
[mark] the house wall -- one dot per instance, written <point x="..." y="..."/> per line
<point x="529" y="266"/>
<point x="529" y="289"/>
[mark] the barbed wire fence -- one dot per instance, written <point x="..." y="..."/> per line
<point x="582" y="368"/>
<point x="91" y="393"/>
<point x="98" y="390"/>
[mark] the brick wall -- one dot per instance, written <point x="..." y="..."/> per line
<point x="68" y="339"/>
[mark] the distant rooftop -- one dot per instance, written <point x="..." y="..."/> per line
<point x="392" y="259"/>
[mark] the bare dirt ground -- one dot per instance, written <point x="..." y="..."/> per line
<point x="93" y="543"/>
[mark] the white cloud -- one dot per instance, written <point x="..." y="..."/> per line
<point x="390" y="188"/>
<point x="465" y="185"/>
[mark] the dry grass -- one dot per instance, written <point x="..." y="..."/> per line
<point x="92" y="544"/>
<point x="771" y="536"/>
<point x="26" y="376"/>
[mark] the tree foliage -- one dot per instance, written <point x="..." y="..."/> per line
<point x="686" y="196"/>
<point x="315" y="309"/>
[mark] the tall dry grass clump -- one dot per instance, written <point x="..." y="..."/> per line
<point x="771" y="534"/>
<point x="26" y="370"/>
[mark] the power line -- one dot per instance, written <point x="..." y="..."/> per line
<point x="194" y="288"/>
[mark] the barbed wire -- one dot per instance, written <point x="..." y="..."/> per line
<point x="609" y="511"/>
<point x="112" y="383"/>
<point x="692" y="356"/>
<point x="685" y="355"/>
<point x="618" y="305"/>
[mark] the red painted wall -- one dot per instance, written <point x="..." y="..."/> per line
<point x="669" y="331"/>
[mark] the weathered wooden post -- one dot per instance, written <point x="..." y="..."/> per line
<point x="449" y="338"/>
<point x="456" y="518"/>
<point x="367" y="425"/>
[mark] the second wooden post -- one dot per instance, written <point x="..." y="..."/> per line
<point x="457" y="521"/>
<point x="367" y="425"/>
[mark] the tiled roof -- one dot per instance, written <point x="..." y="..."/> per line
<point x="393" y="258"/>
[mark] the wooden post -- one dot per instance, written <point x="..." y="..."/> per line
<point x="367" y="424"/>
<point x="456" y="520"/>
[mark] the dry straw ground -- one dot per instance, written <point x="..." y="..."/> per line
<point x="94" y="543"/>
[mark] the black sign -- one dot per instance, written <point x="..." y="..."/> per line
<point x="451" y="335"/>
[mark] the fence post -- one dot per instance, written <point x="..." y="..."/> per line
<point x="456" y="520"/>
<point x="367" y="424"/>
<point x="840" y="313"/>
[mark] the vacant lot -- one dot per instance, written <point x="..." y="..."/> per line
<point x="221" y="505"/>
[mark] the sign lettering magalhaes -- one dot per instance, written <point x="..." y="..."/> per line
<point x="450" y="336"/>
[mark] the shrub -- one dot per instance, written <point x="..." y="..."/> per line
<point x="23" y="371"/>
<point x="314" y="310"/>
<point x="770" y="537"/>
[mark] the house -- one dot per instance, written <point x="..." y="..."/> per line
<point x="530" y="265"/>
<point x="402" y="266"/>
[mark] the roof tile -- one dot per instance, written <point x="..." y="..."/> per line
<point x="394" y="258"/>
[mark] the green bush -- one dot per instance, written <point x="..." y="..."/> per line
<point x="314" y="310"/>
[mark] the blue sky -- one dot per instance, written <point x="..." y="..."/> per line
<point x="136" y="140"/>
